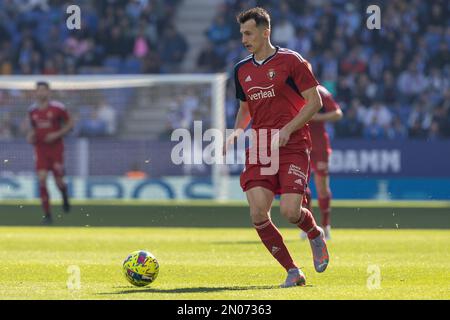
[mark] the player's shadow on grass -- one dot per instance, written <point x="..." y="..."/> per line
<point x="191" y="290"/>
<point x="256" y="242"/>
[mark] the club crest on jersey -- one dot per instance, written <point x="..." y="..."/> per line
<point x="271" y="74"/>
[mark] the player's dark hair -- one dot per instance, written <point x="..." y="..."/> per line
<point x="43" y="83"/>
<point x="260" y="15"/>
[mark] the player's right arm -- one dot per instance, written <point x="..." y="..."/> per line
<point x="68" y="125"/>
<point x="31" y="135"/>
<point x="243" y="118"/>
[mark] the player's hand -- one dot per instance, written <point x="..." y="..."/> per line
<point x="280" y="139"/>
<point x="51" y="137"/>
<point x="31" y="138"/>
<point x="229" y="142"/>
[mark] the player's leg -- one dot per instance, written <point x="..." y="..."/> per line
<point x="260" y="201"/>
<point x="307" y="203"/>
<point x="307" y="199"/>
<point x="289" y="208"/>
<point x="322" y="181"/>
<point x="293" y="180"/>
<point x="58" y="174"/>
<point x="304" y="219"/>
<point x="43" y="193"/>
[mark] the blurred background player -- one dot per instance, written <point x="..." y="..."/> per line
<point x="320" y="154"/>
<point x="289" y="101"/>
<point x="50" y="122"/>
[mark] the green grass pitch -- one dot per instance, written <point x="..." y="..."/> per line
<point x="221" y="263"/>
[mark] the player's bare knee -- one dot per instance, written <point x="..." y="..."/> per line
<point x="292" y="214"/>
<point x="323" y="193"/>
<point x="42" y="180"/>
<point x="258" y="214"/>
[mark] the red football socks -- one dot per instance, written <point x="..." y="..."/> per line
<point x="273" y="241"/>
<point x="324" y="205"/>
<point x="63" y="190"/>
<point x="308" y="224"/>
<point x="44" y="199"/>
<point x="307" y="199"/>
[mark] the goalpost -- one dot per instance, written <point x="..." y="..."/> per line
<point x="147" y="108"/>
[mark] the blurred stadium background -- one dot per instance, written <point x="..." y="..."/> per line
<point x="392" y="84"/>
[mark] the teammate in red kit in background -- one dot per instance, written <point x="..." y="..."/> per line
<point x="50" y="122"/>
<point x="276" y="90"/>
<point x="320" y="154"/>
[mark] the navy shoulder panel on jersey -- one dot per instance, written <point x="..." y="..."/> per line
<point x="239" y="91"/>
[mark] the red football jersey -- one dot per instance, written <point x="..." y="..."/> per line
<point x="319" y="135"/>
<point x="46" y="120"/>
<point x="272" y="90"/>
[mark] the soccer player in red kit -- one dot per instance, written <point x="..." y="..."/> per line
<point x="50" y="122"/>
<point x="320" y="154"/>
<point x="276" y="90"/>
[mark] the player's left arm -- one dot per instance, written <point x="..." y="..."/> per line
<point x="331" y="116"/>
<point x="332" y="109"/>
<point x="312" y="106"/>
<point x="65" y="128"/>
<point x="308" y="86"/>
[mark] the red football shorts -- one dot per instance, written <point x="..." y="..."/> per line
<point x="292" y="175"/>
<point x="50" y="159"/>
<point x="320" y="161"/>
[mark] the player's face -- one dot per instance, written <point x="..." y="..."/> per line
<point x="42" y="93"/>
<point x="253" y="37"/>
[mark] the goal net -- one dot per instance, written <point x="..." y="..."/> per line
<point x="123" y="124"/>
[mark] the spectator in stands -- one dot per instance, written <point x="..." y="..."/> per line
<point x="397" y="131"/>
<point x="350" y="126"/>
<point x="442" y="56"/>
<point x="404" y="61"/>
<point x="300" y="42"/>
<point x="283" y="32"/>
<point x="208" y="59"/>
<point x="353" y="63"/>
<point x="438" y="124"/>
<point x="6" y="67"/>
<point x="386" y="89"/>
<point x="93" y="126"/>
<point x="411" y="83"/>
<point x="117" y="44"/>
<point x="6" y="126"/>
<point x="378" y="115"/>
<point x="219" y="32"/>
<point x="151" y="63"/>
<point x="373" y="130"/>
<point x="30" y="5"/>
<point x="108" y="115"/>
<point x="419" y="121"/>
<point x="141" y="45"/>
<point x="189" y="104"/>
<point x="173" y="49"/>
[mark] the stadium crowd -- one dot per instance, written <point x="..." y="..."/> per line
<point x="391" y="83"/>
<point x="126" y="36"/>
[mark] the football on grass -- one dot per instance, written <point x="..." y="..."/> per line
<point x="141" y="268"/>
